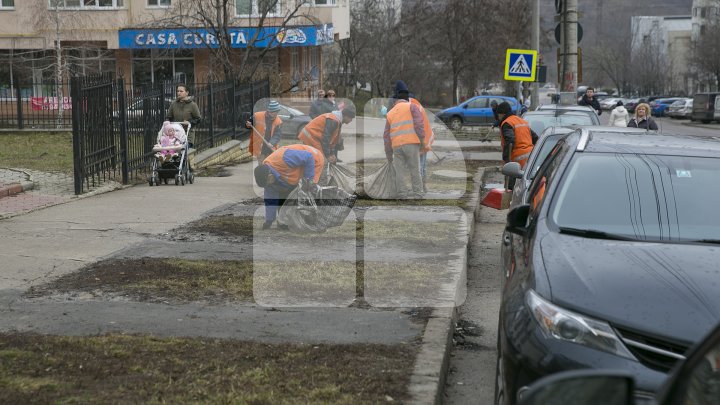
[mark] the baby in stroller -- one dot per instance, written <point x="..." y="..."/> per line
<point x="171" y="155"/>
<point x="169" y="137"/>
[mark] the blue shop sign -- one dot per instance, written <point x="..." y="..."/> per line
<point x="182" y="38"/>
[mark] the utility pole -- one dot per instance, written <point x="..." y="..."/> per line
<point x="569" y="46"/>
<point x="535" y="39"/>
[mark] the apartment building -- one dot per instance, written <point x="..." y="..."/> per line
<point x="155" y="40"/>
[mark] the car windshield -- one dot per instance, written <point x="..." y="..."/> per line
<point x="644" y="197"/>
<point x="538" y="122"/>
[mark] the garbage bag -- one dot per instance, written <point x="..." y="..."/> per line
<point x="342" y="177"/>
<point x="316" y="210"/>
<point x="379" y="184"/>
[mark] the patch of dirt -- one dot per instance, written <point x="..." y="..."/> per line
<point x="36" y="369"/>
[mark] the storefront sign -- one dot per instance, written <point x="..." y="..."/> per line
<point x="50" y="103"/>
<point x="239" y="37"/>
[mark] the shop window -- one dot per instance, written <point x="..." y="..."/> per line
<point x="7" y="3"/>
<point x="257" y="7"/>
<point x="152" y="66"/>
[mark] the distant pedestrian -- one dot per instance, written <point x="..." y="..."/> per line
<point x="589" y="99"/>
<point x="317" y="108"/>
<point x="619" y="116"/>
<point x="642" y="118"/>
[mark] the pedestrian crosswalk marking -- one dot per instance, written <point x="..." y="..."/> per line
<point x="520" y="66"/>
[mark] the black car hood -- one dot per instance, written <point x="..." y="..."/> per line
<point x="669" y="290"/>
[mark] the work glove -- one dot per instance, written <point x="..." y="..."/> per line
<point x="309" y="186"/>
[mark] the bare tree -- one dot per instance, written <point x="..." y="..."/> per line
<point x="217" y="17"/>
<point x="706" y="53"/>
<point x="612" y="58"/>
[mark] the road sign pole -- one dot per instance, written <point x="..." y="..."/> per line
<point x="534" y="96"/>
<point x="570" y="17"/>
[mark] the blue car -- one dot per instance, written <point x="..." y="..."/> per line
<point x="476" y="111"/>
<point x="660" y="105"/>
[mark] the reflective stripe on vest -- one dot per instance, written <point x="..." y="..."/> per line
<point x="291" y="175"/>
<point x="313" y="132"/>
<point x="259" y="121"/>
<point x="402" y="130"/>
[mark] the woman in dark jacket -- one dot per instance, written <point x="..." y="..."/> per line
<point x="184" y="110"/>
<point x="642" y="118"/>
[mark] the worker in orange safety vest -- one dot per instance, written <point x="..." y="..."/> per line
<point x="268" y="125"/>
<point x="517" y="139"/>
<point x="281" y="172"/>
<point x="323" y="132"/>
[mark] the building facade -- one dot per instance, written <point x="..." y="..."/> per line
<point x="671" y="36"/>
<point x="157" y="40"/>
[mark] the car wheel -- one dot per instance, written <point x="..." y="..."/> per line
<point x="706" y="121"/>
<point x="500" y="397"/>
<point x="456" y="123"/>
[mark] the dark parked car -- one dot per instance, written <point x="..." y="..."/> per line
<point x="560" y="115"/>
<point x="474" y="112"/>
<point x="633" y="102"/>
<point x="293" y="120"/>
<point x="704" y="107"/>
<point x="694" y="381"/>
<point x="614" y="259"/>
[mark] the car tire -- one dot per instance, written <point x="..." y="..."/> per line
<point x="500" y="398"/>
<point x="456" y="123"/>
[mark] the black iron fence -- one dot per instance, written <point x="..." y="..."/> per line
<point x="36" y="106"/>
<point x="116" y="126"/>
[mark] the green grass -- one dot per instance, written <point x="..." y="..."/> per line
<point x="44" y="151"/>
<point x="37" y="369"/>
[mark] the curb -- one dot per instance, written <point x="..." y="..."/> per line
<point x="231" y="150"/>
<point x="427" y="381"/>
<point x="16" y="187"/>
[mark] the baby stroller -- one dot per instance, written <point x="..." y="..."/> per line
<point x="171" y="161"/>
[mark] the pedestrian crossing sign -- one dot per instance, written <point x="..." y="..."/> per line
<point x="520" y="65"/>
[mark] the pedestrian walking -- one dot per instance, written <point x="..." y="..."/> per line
<point x="642" y="118"/>
<point x="619" y="116"/>
<point x="184" y="110"/>
<point x="323" y="132"/>
<point x="267" y="123"/>
<point x="281" y="172"/>
<point x="404" y="137"/>
<point x="317" y="108"/>
<point x="589" y="99"/>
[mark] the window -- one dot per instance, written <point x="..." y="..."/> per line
<point x="159" y="3"/>
<point x="156" y="65"/>
<point x="86" y="4"/>
<point x="7" y="3"/>
<point x="257" y="7"/>
<point x="324" y="2"/>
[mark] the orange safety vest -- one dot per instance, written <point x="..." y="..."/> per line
<point x="523" y="139"/>
<point x="429" y="134"/>
<point x="313" y="132"/>
<point x="259" y="121"/>
<point x="402" y="130"/>
<point x="292" y="175"/>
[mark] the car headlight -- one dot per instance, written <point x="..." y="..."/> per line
<point x="561" y="324"/>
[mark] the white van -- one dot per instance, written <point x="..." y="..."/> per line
<point x="716" y="116"/>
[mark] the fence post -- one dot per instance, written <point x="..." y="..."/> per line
<point x="18" y="97"/>
<point x="122" y="115"/>
<point x="234" y="116"/>
<point x="211" y="123"/>
<point x="77" y="138"/>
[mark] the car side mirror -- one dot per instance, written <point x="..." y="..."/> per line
<point x="513" y="170"/>
<point x="517" y="220"/>
<point x="581" y="387"/>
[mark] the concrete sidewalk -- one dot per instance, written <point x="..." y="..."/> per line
<point x="41" y="245"/>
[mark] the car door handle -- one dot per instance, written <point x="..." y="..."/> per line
<point x="507" y="240"/>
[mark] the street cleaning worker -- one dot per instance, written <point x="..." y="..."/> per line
<point x="323" y="132"/>
<point x="517" y="139"/>
<point x="404" y="138"/>
<point x="267" y="124"/>
<point x="281" y="172"/>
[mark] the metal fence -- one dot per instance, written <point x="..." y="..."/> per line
<point x="36" y="106"/>
<point x="115" y="126"/>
